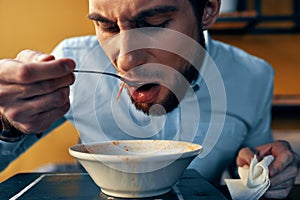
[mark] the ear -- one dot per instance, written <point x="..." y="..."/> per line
<point x="211" y="13"/>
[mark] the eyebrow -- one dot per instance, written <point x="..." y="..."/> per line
<point x="142" y="15"/>
<point x="156" y="11"/>
<point x="98" y="17"/>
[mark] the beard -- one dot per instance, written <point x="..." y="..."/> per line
<point x="171" y="100"/>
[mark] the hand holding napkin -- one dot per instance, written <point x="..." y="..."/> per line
<point x="254" y="180"/>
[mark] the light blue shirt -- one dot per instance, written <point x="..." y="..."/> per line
<point x="239" y="107"/>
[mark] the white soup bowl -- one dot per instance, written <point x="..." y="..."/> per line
<point x="135" y="168"/>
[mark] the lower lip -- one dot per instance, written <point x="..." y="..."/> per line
<point x="148" y="96"/>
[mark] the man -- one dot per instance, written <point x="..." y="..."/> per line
<point x="35" y="88"/>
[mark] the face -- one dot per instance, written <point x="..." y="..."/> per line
<point x="114" y="18"/>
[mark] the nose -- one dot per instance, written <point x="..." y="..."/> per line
<point x="129" y="60"/>
<point x="131" y="52"/>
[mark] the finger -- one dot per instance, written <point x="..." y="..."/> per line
<point x="275" y="147"/>
<point x="33" y="56"/>
<point x="280" y="184"/>
<point x="42" y="121"/>
<point x="26" y="114"/>
<point x="280" y="163"/>
<point x="24" y="110"/>
<point x="289" y="173"/>
<point x="277" y="194"/>
<point x="282" y="152"/>
<point x="10" y="93"/>
<point x="244" y="157"/>
<point x="46" y="87"/>
<point x="13" y="71"/>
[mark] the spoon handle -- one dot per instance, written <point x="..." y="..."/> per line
<point x="98" y="72"/>
<point x="131" y="83"/>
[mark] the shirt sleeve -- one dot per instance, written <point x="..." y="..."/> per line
<point x="261" y="132"/>
<point x="10" y="151"/>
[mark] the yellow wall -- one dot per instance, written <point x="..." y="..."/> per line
<point x="40" y="25"/>
<point x="280" y="50"/>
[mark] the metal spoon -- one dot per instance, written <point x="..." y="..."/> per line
<point x="128" y="82"/>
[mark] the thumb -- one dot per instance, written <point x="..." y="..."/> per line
<point x="244" y="157"/>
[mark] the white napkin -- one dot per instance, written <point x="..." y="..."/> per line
<point x="254" y="180"/>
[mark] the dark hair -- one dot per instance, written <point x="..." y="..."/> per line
<point x="198" y="9"/>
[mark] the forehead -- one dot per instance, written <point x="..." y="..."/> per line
<point x="129" y="8"/>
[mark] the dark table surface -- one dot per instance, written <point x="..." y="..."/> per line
<point x="80" y="186"/>
<point x="191" y="186"/>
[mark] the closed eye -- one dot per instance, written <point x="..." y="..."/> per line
<point x="156" y="17"/>
<point x="159" y="23"/>
<point x="112" y="28"/>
